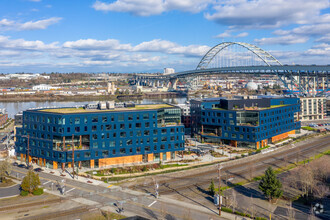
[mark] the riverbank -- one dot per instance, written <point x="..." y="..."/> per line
<point x="77" y="98"/>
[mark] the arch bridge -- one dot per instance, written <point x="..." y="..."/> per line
<point x="305" y="79"/>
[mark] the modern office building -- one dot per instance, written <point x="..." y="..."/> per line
<point x="100" y="136"/>
<point x="312" y="108"/>
<point x="244" y="121"/>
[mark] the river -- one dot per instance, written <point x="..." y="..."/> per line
<point x="15" y="107"/>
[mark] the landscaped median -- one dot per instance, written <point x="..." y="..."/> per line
<point x="122" y="173"/>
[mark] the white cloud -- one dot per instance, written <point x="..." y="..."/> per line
<point x="266" y="13"/>
<point x="21" y="44"/>
<point x="325" y="38"/>
<point x="299" y="35"/>
<point x="228" y="33"/>
<point x="92" y="44"/>
<point x="6" y="24"/>
<point x="156" y="45"/>
<point x="152" y="7"/>
<point x="319" y="50"/>
<point x="283" y="40"/>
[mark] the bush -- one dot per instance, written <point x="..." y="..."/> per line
<point x="261" y="218"/>
<point x="38" y="191"/>
<point x="225" y="209"/>
<point x="239" y="213"/>
<point x="24" y="193"/>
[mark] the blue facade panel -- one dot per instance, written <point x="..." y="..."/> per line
<point x="96" y="135"/>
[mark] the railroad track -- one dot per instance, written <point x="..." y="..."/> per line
<point x="60" y="214"/>
<point x="197" y="179"/>
<point x="25" y="205"/>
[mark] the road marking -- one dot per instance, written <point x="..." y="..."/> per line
<point x="152" y="203"/>
<point x="70" y="190"/>
<point x="110" y="186"/>
<point x="46" y="182"/>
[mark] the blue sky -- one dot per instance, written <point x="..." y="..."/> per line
<point x="148" y="35"/>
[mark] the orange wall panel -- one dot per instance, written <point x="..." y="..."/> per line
<point x="120" y="160"/>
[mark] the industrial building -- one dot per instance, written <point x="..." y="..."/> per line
<point x="244" y="121"/>
<point x="100" y="136"/>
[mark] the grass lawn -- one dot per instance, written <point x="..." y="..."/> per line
<point x="82" y="110"/>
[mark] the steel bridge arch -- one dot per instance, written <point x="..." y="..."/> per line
<point x="263" y="55"/>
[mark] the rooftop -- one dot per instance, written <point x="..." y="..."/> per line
<point x="83" y="110"/>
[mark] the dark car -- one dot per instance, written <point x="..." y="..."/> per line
<point x="15" y="164"/>
<point x="38" y="170"/>
<point x="22" y="166"/>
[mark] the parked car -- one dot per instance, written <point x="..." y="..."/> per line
<point x="22" y="166"/>
<point x="38" y="169"/>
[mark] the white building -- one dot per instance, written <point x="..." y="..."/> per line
<point x="185" y="109"/>
<point x="168" y="71"/>
<point x="43" y="87"/>
<point x="312" y="108"/>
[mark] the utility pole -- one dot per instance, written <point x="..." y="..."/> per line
<point x="73" y="155"/>
<point x="28" y="150"/>
<point x="219" y="190"/>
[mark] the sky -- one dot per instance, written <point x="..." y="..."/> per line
<point x="127" y="36"/>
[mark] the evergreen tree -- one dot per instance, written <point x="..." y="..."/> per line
<point x="270" y="185"/>
<point x="212" y="188"/>
<point x="30" y="182"/>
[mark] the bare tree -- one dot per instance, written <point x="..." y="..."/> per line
<point x="290" y="211"/>
<point x="5" y="169"/>
<point x="233" y="199"/>
<point x="320" y="190"/>
<point x="311" y="214"/>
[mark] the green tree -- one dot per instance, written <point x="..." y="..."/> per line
<point x="270" y="185"/>
<point x="5" y="169"/>
<point x="30" y="182"/>
<point x="212" y="188"/>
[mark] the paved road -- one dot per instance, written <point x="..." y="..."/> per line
<point x="139" y="203"/>
<point x="193" y="187"/>
<point x="9" y="191"/>
<point x="145" y="204"/>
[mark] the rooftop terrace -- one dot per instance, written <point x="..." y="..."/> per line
<point x="83" y="110"/>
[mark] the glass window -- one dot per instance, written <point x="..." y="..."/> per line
<point x="121" y="117"/>
<point x="104" y="119"/>
<point x="122" y="134"/>
<point x="122" y="151"/>
<point x="130" y="117"/>
<point x="77" y="121"/>
<point x="95" y="119"/>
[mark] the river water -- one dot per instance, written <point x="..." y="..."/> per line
<point x="15" y="107"/>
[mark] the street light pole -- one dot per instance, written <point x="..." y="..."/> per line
<point x="73" y="155"/>
<point x="28" y="150"/>
<point x="219" y="190"/>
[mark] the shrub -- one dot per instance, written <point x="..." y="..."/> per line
<point x="113" y="170"/>
<point x="225" y="209"/>
<point x="24" y="193"/>
<point x="261" y="218"/>
<point x="38" y="191"/>
<point x="239" y="213"/>
<point x="144" y="169"/>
